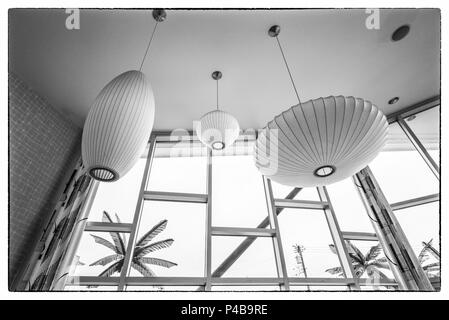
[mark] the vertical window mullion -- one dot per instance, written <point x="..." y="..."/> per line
<point x="136" y="220"/>
<point x="277" y="243"/>
<point x="208" y="244"/>
<point x="339" y="242"/>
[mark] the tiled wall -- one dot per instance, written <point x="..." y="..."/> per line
<point x="43" y="149"/>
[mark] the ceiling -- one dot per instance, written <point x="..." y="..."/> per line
<point x="330" y="52"/>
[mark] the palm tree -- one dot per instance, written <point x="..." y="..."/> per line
<point x="362" y="263"/>
<point x="432" y="270"/>
<point x="139" y="261"/>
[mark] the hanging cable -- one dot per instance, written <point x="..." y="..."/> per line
<point x="217" y="93"/>
<point x="274" y="32"/>
<point x="159" y="15"/>
<point x="148" y="46"/>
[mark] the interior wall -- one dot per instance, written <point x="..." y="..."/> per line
<point x="43" y="149"/>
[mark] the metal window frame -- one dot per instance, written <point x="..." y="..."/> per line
<point x="415" y="202"/>
<point x="419" y="147"/>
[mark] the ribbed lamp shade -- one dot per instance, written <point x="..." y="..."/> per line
<point x="321" y="141"/>
<point x="217" y="129"/>
<point x="118" y="126"/>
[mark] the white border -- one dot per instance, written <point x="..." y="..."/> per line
<point x="5" y="294"/>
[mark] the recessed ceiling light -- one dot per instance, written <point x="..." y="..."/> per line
<point x="412" y="117"/>
<point x="400" y="33"/>
<point x="393" y="100"/>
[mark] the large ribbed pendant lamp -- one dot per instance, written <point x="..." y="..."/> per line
<point x="119" y="123"/>
<point x="217" y="129"/>
<point x="320" y="141"/>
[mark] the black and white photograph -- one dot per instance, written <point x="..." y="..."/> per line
<point x="223" y="152"/>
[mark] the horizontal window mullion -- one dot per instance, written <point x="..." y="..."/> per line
<point x="165" y="281"/>
<point x="94" y="226"/>
<point x="248" y="232"/>
<point x="365" y="236"/>
<point x="300" y="204"/>
<point x="175" y="196"/>
<point x="92" y="281"/>
<point x="415" y="202"/>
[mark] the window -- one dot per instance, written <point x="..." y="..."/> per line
<point x="400" y="171"/>
<point x="348" y="207"/>
<point x="257" y="261"/>
<point x="425" y="240"/>
<point x="306" y="241"/>
<point x="119" y="197"/>
<point x="175" y="237"/>
<point x="426" y="127"/>
<point x="179" y="240"/>
<point x="238" y="195"/>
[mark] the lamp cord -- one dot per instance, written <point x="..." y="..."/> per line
<point x="288" y="69"/>
<point x="217" y="93"/>
<point x="148" y="46"/>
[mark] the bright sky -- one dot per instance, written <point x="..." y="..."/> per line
<point x="239" y="201"/>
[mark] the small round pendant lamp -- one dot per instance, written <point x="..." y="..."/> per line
<point x="119" y="123"/>
<point x="217" y="129"/>
<point x="320" y="141"/>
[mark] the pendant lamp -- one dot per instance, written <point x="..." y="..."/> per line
<point x="119" y="123"/>
<point x="320" y="141"/>
<point x="217" y="129"/>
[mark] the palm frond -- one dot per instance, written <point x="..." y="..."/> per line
<point x="147" y="237"/>
<point x="157" y="262"/>
<point x="143" y="269"/>
<point x="106" y="260"/>
<point x="140" y="252"/>
<point x="113" y="268"/>
<point x="336" y="270"/>
<point x="355" y="252"/>
<point x="432" y="266"/>
<point x="114" y="235"/>
<point x="373" y="253"/>
<point x="105" y="243"/>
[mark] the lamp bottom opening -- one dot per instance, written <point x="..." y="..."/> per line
<point x="103" y="174"/>
<point x="324" y="171"/>
<point x="218" y="145"/>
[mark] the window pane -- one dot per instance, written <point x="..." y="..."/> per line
<point x="367" y="262"/>
<point x="174" y="173"/>
<point x="238" y="197"/>
<point x="119" y="197"/>
<point x="426" y="126"/>
<point x="180" y="240"/>
<point x="348" y="207"/>
<point x="281" y="191"/>
<point x="426" y="235"/>
<point x="257" y="261"/>
<point x="400" y="171"/>
<point x="307" y="229"/>
<point x="99" y="252"/>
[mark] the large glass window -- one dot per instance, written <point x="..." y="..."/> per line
<point x="174" y="234"/>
